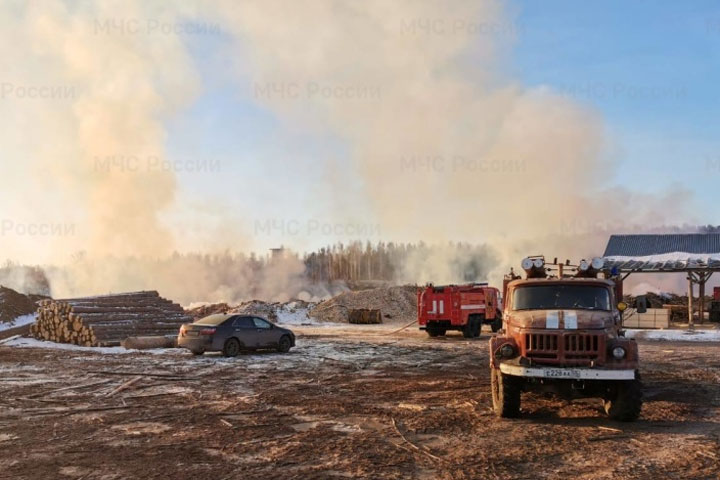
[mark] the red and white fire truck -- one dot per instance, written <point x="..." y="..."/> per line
<point x="459" y="307"/>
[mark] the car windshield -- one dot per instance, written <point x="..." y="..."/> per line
<point x="214" y="320"/>
<point x="544" y="297"/>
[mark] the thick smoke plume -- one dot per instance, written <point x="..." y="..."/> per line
<point x="191" y="278"/>
<point x="438" y="141"/>
<point x="446" y="144"/>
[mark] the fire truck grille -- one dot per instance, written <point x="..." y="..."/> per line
<point x="581" y="343"/>
<point x="553" y="346"/>
<point x="540" y="345"/>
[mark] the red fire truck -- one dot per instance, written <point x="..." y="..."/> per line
<point x="459" y="307"/>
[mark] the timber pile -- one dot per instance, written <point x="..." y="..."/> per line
<point x="364" y="316"/>
<point x="107" y="320"/>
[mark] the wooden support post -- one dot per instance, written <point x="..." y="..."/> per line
<point x="707" y="277"/>
<point x="701" y="299"/>
<point x="690" y="301"/>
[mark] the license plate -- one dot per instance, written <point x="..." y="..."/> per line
<point x="560" y="373"/>
<point x="192" y="334"/>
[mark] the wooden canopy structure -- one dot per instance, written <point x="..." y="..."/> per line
<point x="695" y="254"/>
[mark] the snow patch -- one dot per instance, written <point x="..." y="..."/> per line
<point x="675" y="335"/>
<point x="668" y="257"/>
<point x="291" y="314"/>
<point x="34" y="343"/>
<point x="19" y="321"/>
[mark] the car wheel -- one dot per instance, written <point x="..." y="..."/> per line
<point x="284" y="344"/>
<point x="231" y="348"/>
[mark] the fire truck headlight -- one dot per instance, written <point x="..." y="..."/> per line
<point x="583" y="265"/>
<point x="618" y="352"/>
<point x="527" y="263"/>
<point x="598" y="263"/>
<point x="507" y="351"/>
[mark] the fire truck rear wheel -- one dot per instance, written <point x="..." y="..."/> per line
<point x="626" y="402"/>
<point x="469" y="329"/>
<point x="505" y="393"/>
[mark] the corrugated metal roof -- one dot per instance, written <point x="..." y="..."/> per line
<point x="646" y="245"/>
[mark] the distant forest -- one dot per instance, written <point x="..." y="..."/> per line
<point x="240" y="275"/>
<point x="392" y="261"/>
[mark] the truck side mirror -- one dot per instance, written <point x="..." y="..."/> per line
<point x="641" y="304"/>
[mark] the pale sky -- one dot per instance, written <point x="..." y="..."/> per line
<point x="261" y="157"/>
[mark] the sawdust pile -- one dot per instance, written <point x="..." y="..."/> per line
<point x="397" y="304"/>
<point x="208" y="309"/>
<point x="260" y="308"/>
<point x="270" y="310"/>
<point x="14" y="304"/>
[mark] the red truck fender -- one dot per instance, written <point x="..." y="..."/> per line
<point x="496" y="344"/>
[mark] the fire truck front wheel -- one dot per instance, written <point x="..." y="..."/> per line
<point x="625" y="403"/>
<point x="434" y="331"/>
<point x="505" y="393"/>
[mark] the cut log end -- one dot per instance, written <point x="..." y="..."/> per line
<point x="108" y="320"/>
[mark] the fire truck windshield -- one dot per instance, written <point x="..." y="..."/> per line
<point x="544" y="297"/>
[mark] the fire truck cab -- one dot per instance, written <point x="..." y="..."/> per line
<point x="563" y="335"/>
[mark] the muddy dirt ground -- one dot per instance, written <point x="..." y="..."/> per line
<point x="346" y="403"/>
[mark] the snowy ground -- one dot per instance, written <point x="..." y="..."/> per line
<point x="292" y="314"/>
<point x="675" y="335"/>
<point x="18" y="322"/>
<point x="342" y="404"/>
<point x="23" y="342"/>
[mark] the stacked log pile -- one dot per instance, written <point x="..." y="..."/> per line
<point x="107" y="320"/>
<point x="364" y="316"/>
